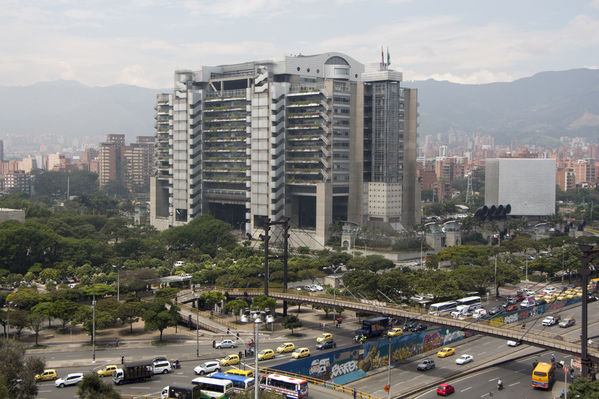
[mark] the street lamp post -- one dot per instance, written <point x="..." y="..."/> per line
<point x="197" y="326"/>
<point x="118" y="282"/>
<point x="8" y="319"/>
<point x="94" y="330"/>
<point x="257" y="321"/>
<point x="389" y="371"/>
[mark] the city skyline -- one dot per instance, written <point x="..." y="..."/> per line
<point x="142" y="42"/>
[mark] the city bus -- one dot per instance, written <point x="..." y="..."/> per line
<point x="542" y="375"/>
<point x="442" y="307"/>
<point x="214" y="388"/>
<point x="472" y="301"/>
<point x="240" y="383"/>
<point x="593" y="285"/>
<point x="288" y="386"/>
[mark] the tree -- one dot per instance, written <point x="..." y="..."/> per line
<point x="158" y="317"/>
<point x="211" y="298"/>
<point x="65" y="310"/>
<point x="263" y="302"/>
<point x="44" y="309"/>
<point x="92" y="387"/>
<point x="17" y="373"/>
<point x="292" y="322"/>
<point x="582" y="388"/>
<point x="204" y="233"/>
<point x="34" y="321"/>
<point x="130" y="312"/>
<point x="85" y="316"/>
<point x="18" y="320"/>
<point x="235" y="306"/>
<point x="25" y="298"/>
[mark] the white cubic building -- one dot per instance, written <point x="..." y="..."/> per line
<point x="528" y="185"/>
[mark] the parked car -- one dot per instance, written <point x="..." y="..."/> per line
<point x="551" y="320"/>
<point x="71" y="379"/>
<point x="550" y="290"/>
<point x="426" y="364"/>
<point x="464" y="359"/>
<point x="446" y="352"/>
<point x="300" y="352"/>
<point x="527" y="303"/>
<point x="225" y="343"/>
<point x="511" y="308"/>
<point x="445" y="389"/>
<point x="567" y="322"/>
<point x="107" y="371"/>
<point x="286" y="347"/>
<point x="326" y="344"/>
<point x="207" y="367"/>
<point x="478" y="313"/>
<point x="46" y="375"/>
<point x="419" y="327"/>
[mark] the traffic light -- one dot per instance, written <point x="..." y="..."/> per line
<point x="498" y="212"/>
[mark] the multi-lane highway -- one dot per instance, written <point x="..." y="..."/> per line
<point x="404" y="376"/>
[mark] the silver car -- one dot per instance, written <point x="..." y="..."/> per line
<point x="71" y="379"/>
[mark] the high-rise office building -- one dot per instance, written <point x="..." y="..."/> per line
<point x="314" y="138"/>
<point x="139" y="159"/>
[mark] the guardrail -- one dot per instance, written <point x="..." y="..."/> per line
<point x="482" y="326"/>
<point x="322" y="383"/>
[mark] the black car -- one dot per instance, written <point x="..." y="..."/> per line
<point x="410" y="326"/>
<point x="326" y="344"/>
<point x="419" y="327"/>
<point x="426" y="364"/>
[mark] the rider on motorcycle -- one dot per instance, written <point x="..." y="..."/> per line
<point x="499" y="384"/>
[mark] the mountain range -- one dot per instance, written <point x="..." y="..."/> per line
<point x="540" y="108"/>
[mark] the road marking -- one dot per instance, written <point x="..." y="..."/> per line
<point x="493" y="379"/>
<point x="515" y="383"/>
<point x="465" y="389"/>
<point x="142" y="388"/>
<point x="180" y="376"/>
<point x="482" y="396"/>
<point x="482" y="353"/>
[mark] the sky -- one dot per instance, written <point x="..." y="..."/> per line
<point x="142" y="42"/>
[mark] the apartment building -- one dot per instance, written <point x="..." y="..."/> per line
<point x="314" y="138"/>
<point x="111" y="159"/>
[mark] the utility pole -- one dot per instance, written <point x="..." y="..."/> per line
<point x="588" y="253"/>
<point x="94" y="329"/>
<point x="266" y="238"/>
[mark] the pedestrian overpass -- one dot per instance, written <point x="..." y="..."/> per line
<point x="491" y="328"/>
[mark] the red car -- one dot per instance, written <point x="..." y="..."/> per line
<point x="511" y="308"/>
<point x="445" y="389"/>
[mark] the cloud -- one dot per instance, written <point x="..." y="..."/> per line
<point x="595" y="3"/>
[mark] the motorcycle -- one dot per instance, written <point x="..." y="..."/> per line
<point x="499" y="385"/>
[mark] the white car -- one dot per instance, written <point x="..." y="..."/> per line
<point x="550" y="290"/>
<point x="207" y="367"/>
<point x="71" y="379"/>
<point x="226" y="343"/>
<point x="161" y="367"/>
<point x="464" y="359"/>
<point x="549" y="321"/>
<point x="478" y="313"/>
<point x="513" y="343"/>
<point x="164" y="393"/>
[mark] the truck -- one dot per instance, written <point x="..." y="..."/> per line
<point x="133" y="372"/>
<point x="373" y="327"/>
<point x="181" y="392"/>
<point x="551" y="320"/>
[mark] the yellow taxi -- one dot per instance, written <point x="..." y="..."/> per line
<point x="229" y="360"/>
<point x="561" y="297"/>
<point x="243" y="373"/>
<point x="550" y="298"/>
<point x="107" y="370"/>
<point x="394" y="332"/>
<point x="301" y="352"/>
<point x="538" y="297"/>
<point x="286" y="347"/>
<point x="324" y="337"/>
<point x="47" y="375"/>
<point x="266" y="354"/>
<point x="446" y="352"/>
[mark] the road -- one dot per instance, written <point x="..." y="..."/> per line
<point x="404" y="376"/>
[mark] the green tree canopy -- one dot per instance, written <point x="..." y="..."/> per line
<point x="158" y="317"/>
<point x="292" y="322"/>
<point x="204" y="233"/>
<point x="92" y="387"/>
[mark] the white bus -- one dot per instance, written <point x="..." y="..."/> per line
<point x="288" y="386"/>
<point x="472" y="301"/>
<point x="214" y="388"/>
<point x="442" y="307"/>
<point x="240" y="383"/>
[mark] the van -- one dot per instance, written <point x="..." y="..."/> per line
<point x="161" y="367"/>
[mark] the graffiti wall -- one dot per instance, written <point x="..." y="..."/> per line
<point x="357" y="360"/>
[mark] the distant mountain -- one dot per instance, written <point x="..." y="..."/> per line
<point x="539" y="108"/>
<point x="542" y="107"/>
<point x="71" y="109"/>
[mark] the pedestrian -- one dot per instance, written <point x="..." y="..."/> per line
<point x="240" y="354"/>
<point x="213" y="343"/>
<point x="553" y="358"/>
<point x="228" y="331"/>
<point x="355" y="393"/>
<point x="123" y="359"/>
<point x="237" y="335"/>
<point x="245" y="353"/>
